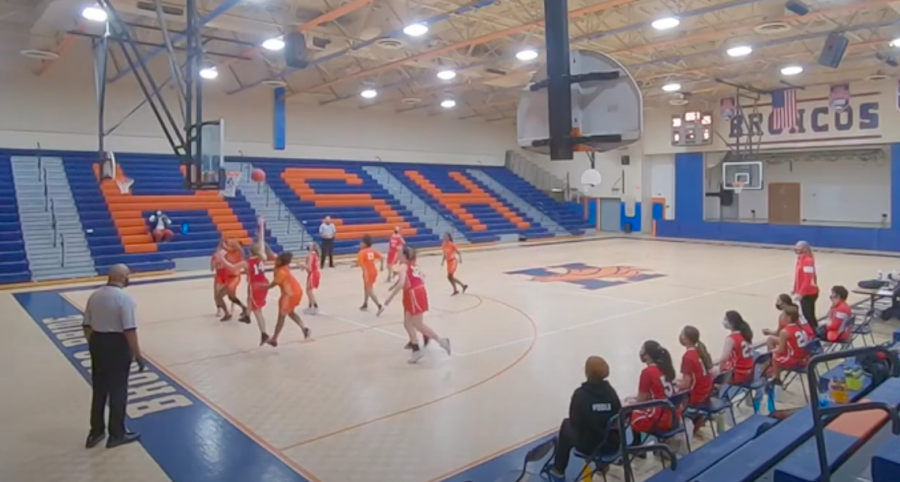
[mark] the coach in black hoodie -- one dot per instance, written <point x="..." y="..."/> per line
<point x="593" y="404"/>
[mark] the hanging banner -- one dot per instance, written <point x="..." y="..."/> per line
<point x="839" y="97"/>
<point x="727" y="108"/>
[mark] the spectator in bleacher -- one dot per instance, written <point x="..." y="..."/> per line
<point x="840" y="326"/>
<point x="696" y="366"/>
<point x="737" y="351"/>
<point x="593" y="404"/>
<point x="806" y="286"/>
<point x="657" y="382"/>
<point x="327" y="231"/>
<point x="162" y="232"/>
<point x="781" y="303"/>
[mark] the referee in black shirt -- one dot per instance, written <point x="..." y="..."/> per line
<point x="111" y="331"/>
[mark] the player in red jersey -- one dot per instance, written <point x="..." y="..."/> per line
<point x="313" y="276"/>
<point x="453" y="258"/>
<point x="806" y="283"/>
<point x="695" y="371"/>
<point x="227" y="279"/>
<point x="840" y="318"/>
<point x="789" y="347"/>
<point x="257" y="283"/>
<point x="393" y="257"/>
<point x="657" y="382"/>
<point x="737" y="352"/>
<point x="415" y="304"/>
<point x="781" y="303"/>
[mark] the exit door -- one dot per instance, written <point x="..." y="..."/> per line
<point x="784" y="202"/>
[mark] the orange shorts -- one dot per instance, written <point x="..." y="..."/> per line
<point x="287" y="304"/>
<point x="231" y="284"/>
<point x="451" y="266"/>
<point x="369" y="278"/>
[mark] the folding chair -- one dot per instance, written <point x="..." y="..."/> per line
<point x="595" y="462"/>
<point x="814" y="348"/>
<point x="865" y="328"/>
<point x="678" y="400"/>
<point x="713" y="407"/>
<point x="755" y="387"/>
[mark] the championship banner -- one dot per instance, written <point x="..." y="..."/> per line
<point x="839" y="97"/>
<point x="728" y="108"/>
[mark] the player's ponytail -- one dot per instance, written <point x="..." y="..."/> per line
<point x="661" y="358"/>
<point x="409" y="253"/>
<point x="738" y="324"/>
<point x="692" y="335"/>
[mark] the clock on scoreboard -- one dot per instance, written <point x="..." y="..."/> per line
<point x="693" y="128"/>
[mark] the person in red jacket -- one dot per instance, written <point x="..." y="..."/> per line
<point x="806" y="286"/>
<point x="840" y="327"/>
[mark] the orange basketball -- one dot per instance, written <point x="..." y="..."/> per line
<point x="258" y="175"/>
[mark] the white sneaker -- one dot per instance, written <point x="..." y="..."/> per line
<point x="416" y="356"/>
<point x="445" y="344"/>
<point x="314" y="310"/>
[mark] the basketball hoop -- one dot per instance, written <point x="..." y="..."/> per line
<point x="232" y="179"/>
<point x="124" y="184"/>
<point x="738" y="186"/>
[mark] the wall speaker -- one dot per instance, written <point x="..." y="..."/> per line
<point x="626" y="160"/>
<point x="833" y="51"/>
<point x="796" y="6"/>
<point x="295" y="50"/>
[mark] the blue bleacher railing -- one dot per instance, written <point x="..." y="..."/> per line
<point x="624" y="426"/>
<point x="819" y="412"/>
<point x="40" y="163"/>
<point x="53" y="221"/>
<point x="62" y="250"/>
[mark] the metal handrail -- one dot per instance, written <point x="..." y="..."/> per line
<point x="625" y="419"/>
<point x="819" y="412"/>
<point x="62" y="244"/>
<point x="53" y="221"/>
<point x="46" y="192"/>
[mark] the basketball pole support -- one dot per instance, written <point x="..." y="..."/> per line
<point x="559" y="91"/>
<point x="184" y="138"/>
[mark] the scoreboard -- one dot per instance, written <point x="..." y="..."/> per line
<point x="693" y="128"/>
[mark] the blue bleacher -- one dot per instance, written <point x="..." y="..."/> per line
<point x="311" y="215"/>
<point x="538" y="199"/>
<point x="495" y="222"/>
<point x="13" y="260"/>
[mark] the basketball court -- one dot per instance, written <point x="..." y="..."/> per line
<point x="212" y="403"/>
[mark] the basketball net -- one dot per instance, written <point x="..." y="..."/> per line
<point x="738" y="187"/>
<point x="124" y="184"/>
<point x="232" y="179"/>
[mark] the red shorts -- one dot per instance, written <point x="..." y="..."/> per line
<point x="222" y="276"/>
<point x="312" y="280"/>
<point x="415" y="301"/>
<point x="287" y="304"/>
<point x="231" y="284"/>
<point x="648" y="421"/>
<point x="393" y="257"/>
<point x="786" y="362"/>
<point x="257" y="297"/>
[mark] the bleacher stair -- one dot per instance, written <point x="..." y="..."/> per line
<point x="513" y="199"/>
<point x="13" y="260"/>
<point x="50" y="222"/>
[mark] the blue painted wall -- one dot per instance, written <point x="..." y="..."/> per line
<point x="279" y="119"/>
<point x="634" y="221"/>
<point x="689" y="223"/>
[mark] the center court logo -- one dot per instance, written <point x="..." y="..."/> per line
<point x="589" y="277"/>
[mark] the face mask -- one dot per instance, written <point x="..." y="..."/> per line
<point x="726" y="324"/>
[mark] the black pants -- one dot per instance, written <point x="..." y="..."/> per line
<point x="327" y="251"/>
<point x="110" y="366"/>
<point x="808" y="309"/>
<point x="565" y="442"/>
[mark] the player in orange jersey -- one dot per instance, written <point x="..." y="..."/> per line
<point x="220" y="278"/>
<point x="228" y="279"/>
<point x="393" y="258"/>
<point x="257" y="283"/>
<point x="366" y="261"/>
<point x="313" y="276"/>
<point x="452" y="257"/>
<point x="291" y="296"/>
<point x="415" y="304"/>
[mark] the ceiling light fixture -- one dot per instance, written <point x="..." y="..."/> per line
<point x="739" y="51"/>
<point x="895" y="43"/>
<point x="415" y="29"/>
<point x="273" y="44"/>
<point x="791" y="70"/>
<point x="446" y="74"/>
<point x="526" y="55"/>
<point x="209" y="73"/>
<point x="448" y="103"/>
<point x="369" y="94"/>
<point x="94" y="14"/>
<point x="665" y="23"/>
<point x="673" y="87"/>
